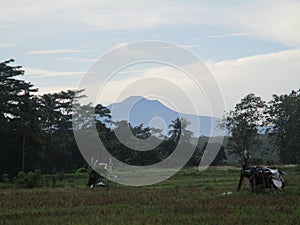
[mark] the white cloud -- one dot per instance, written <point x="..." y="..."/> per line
<point x="5" y="45"/>
<point x="100" y="14"/>
<point x="272" y="19"/>
<point x="45" y="89"/>
<point x="230" y="35"/>
<point x="265" y="75"/>
<point x="49" y="73"/>
<point x="53" y="51"/>
<point x="179" y="91"/>
<point x="180" y="46"/>
<point x="75" y="59"/>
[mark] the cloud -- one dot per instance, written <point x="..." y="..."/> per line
<point x="75" y="59"/>
<point x="53" y="51"/>
<point x="271" y="19"/>
<point x="5" y="45"/>
<point x="45" y="89"/>
<point x="264" y="75"/>
<point x="99" y="14"/>
<point x="131" y="71"/>
<point x="158" y="82"/>
<point x="230" y="35"/>
<point x="180" y="46"/>
<point x="48" y="73"/>
<point x="275" y="20"/>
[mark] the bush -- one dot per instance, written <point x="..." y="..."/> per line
<point x="30" y="179"/>
<point x="297" y="168"/>
<point x="5" y="178"/>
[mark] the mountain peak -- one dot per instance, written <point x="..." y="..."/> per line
<point x="139" y="110"/>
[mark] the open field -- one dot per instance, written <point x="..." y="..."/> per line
<point x="190" y="197"/>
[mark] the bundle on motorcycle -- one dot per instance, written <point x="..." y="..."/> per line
<point x="261" y="177"/>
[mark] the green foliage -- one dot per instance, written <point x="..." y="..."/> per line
<point x="178" y="128"/>
<point x="30" y="179"/>
<point x="5" y="178"/>
<point x="20" y="135"/>
<point x="61" y="150"/>
<point x="36" y="131"/>
<point x="243" y="123"/>
<point x="283" y="119"/>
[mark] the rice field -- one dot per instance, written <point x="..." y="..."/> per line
<point x="189" y="197"/>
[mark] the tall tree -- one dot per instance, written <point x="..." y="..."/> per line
<point x="103" y="121"/>
<point x="243" y="124"/>
<point x="283" y="120"/>
<point x="179" y="128"/>
<point x="56" y="112"/>
<point x="18" y="120"/>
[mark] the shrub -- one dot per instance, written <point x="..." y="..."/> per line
<point x="60" y="176"/>
<point x="30" y="179"/>
<point x="297" y="168"/>
<point x="5" y="178"/>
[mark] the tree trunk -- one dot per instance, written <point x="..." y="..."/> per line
<point x="23" y="150"/>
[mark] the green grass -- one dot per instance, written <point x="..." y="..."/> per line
<point x="189" y="197"/>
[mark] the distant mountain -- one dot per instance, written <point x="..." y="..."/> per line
<point x="142" y="110"/>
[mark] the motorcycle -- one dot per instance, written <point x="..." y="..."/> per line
<point x="261" y="177"/>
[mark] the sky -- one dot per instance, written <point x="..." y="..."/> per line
<point x="249" y="46"/>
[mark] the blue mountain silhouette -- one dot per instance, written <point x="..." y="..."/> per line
<point x="137" y="110"/>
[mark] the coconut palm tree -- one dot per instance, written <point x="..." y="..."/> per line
<point x="179" y="129"/>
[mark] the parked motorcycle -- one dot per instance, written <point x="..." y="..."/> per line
<point x="261" y="177"/>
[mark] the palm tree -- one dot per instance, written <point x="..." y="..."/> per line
<point x="175" y="131"/>
<point x="179" y="129"/>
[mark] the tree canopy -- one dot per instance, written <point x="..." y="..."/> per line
<point x="243" y="124"/>
<point x="283" y="121"/>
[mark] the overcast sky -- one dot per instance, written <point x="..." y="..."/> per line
<point x="249" y="46"/>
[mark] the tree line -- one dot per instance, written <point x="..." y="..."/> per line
<point x="278" y="120"/>
<point x="36" y="130"/>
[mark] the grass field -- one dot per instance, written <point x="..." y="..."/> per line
<point x="189" y="197"/>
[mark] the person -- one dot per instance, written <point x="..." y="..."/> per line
<point x="93" y="178"/>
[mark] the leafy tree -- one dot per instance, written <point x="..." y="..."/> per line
<point x="243" y="124"/>
<point x="103" y="113"/>
<point x="21" y="137"/>
<point x="31" y="134"/>
<point x="128" y="154"/>
<point x="283" y="120"/>
<point x="56" y="113"/>
<point x="103" y="121"/>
